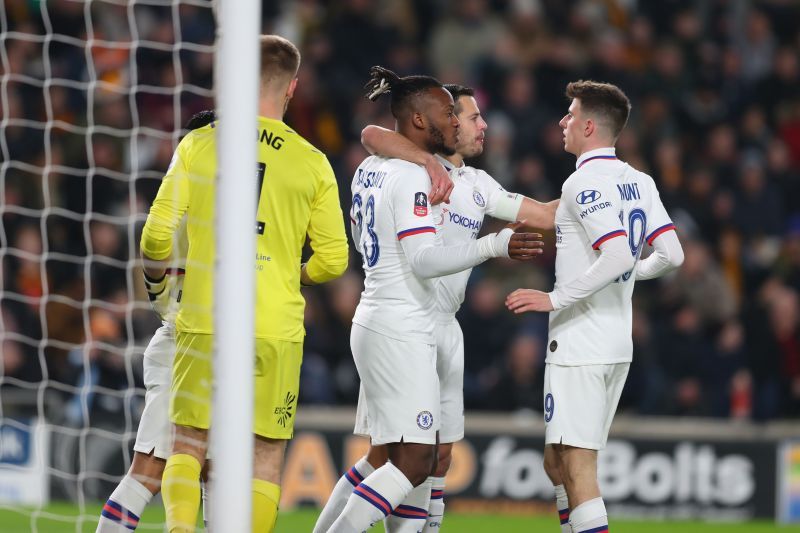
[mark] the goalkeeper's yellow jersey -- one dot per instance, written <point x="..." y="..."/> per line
<point x="298" y="197"/>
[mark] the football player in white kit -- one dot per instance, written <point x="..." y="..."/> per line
<point x="393" y="328"/>
<point x="474" y="195"/>
<point x="608" y="211"/>
<point x="153" y="443"/>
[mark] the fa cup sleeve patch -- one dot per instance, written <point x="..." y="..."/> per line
<point x="420" y="204"/>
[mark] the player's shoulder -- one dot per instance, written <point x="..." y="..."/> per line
<point x="290" y="144"/>
<point x="401" y="165"/>
<point x="643" y="177"/>
<point x="310" y="152"/>
<point x="482" y="178"/>
<point x="372" y="161"/>
<point x="604" y="172"/>
<point x="400" y="170"/>
<point x="200" y="137"/>
<point x="579" y="178"/>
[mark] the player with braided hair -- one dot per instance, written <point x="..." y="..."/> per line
<point x="392" y="338"/>
<point x="380" y="82"/>
<point x="474" y="196"/>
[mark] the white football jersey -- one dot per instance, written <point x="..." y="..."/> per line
<point x="475" y="194"/>
<point x="603" y="199"/>
<point x="390" y="203"/>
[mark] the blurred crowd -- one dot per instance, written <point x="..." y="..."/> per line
<point x="715" y="87"/>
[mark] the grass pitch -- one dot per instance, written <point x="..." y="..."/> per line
<point x="67" y="517"/>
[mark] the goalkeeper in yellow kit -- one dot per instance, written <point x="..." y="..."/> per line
<point x="298" y="197"/>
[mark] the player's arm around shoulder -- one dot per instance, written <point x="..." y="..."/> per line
<point x="326" y="231"/>
<point x="511" y="207"/>
<point x="388" y="143"/>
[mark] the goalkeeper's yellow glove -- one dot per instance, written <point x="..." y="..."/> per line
<point x="164" y="293"/>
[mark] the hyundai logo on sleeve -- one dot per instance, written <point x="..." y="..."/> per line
<point x="589" y="196"/>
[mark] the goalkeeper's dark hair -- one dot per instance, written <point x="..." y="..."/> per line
<point x="458" y="91"/>
<point x="403" y="90"/>
<point x="200" y="119"/>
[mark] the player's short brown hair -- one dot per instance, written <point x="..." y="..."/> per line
<point x="280" y="59"/>
<point x="458" y="91"/>
<point x="604" y="101"/>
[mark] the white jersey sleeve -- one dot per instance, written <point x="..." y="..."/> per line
<point x="500" y="203"/>
<point x="658" y="221"/>
<point x="425" y="253"/>
<point x="668" y="253"/>
<point x="595" y="204"/>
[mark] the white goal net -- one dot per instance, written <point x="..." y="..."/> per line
<point x="93" y="96"/>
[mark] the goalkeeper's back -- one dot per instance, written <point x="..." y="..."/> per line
<point x="298" y="197"/>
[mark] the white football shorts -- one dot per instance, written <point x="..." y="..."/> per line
<point x="580" y="402"/>
<point x="450" y="368"/>
<point x="400" y="388"/>
<point x="155" y="431"/>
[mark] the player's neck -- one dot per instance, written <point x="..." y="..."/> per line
<point x="594" y="145"/>
<point x="270" y="109"/>
<point x="457" y="159"/>
<point x="416" y="136"/>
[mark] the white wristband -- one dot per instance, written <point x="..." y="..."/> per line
<point x="496" y="244"/>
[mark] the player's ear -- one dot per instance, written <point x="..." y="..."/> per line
<point x="589" y="128"/>
<point x="419" y="120"/>
<point x="292" y="87"/>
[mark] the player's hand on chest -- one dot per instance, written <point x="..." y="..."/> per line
<point x="463" y="217"/>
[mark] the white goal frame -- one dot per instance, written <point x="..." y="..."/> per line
<point x="237" y="75"/>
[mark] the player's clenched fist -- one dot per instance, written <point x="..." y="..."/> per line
<point x="523" y="300"/>
<point x="524" y="246"/>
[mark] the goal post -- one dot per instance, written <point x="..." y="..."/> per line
<point x="237" y="68"/>
<point x="93" y="95"/>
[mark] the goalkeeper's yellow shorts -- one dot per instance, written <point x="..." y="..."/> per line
<point x="277" y="381"/>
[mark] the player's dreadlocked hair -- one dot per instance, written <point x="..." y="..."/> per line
<point x="403" y="90"/>
<point x="458" y="91"/>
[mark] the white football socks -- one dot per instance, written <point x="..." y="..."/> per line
<point x="411" y="515"/>
<point x="589" y="517"/>
<point x="341" y="493"/>
<point x="436" y="507"/>
<point x="373" y="500"/>
<point x="124" y="507"/>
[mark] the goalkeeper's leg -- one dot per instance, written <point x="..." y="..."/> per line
<point x="181" y="482"/>
<point x="268" y="461"/>
<point x="276" y="388"/>
<point x="125" y="505"/>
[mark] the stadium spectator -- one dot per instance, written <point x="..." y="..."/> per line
<point x="737" y="81"/>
